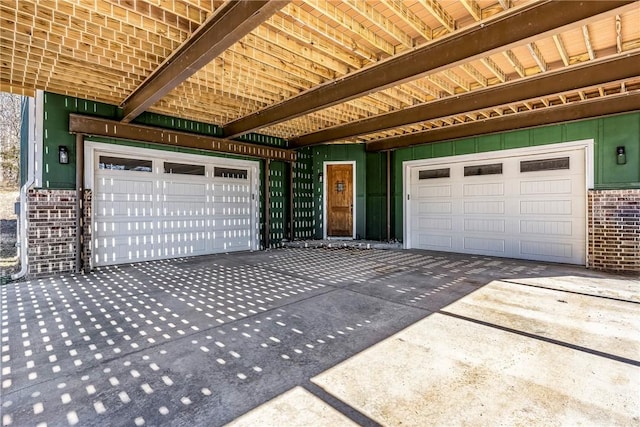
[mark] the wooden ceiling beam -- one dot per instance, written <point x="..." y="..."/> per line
<point x="596" y="107"/>
<point x="563" y="80"/>
<point x="226" y="26"/>
<point x="113" y="129"/>
<point x="503" y="31"/>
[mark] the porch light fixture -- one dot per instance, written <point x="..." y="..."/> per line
<point x="63" y="155"/>
<point x="621" y="155"/>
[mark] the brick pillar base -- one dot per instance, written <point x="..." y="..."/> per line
<point x="614" y="230"/>
<point x="51" y="231"/>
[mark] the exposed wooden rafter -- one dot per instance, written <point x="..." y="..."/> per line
<point x="440" y="14"/>
<point x="537" y="56"/>
<point x="405" y="14"/>
<point x="563" y="80"/>
<point x="587" y="42"/>
<point x="225" y="27"/>
<point x="478" y="40"/>
<point x="319" y="65"/>
<point x="613" y="104"/>
<point x="366" y="9"/>
<point x="557" y="39"/>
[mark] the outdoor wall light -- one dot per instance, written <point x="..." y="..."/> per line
<point x="621" y="155"/>
<point x="63" y="155"/>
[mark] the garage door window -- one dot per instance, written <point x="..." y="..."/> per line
<point x="230" y="173"/>
<point x="183" y="169"/>
<point x="124" y="164"/>
<point x="434" y="173"/>
<point x="492" y="169"/>
<point x="544" y="165"/>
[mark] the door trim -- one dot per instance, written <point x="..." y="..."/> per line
<point x="586" y="144"/>
<point x="324" y="198"/>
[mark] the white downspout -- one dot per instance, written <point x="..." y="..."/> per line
<point x="34" y="147"/>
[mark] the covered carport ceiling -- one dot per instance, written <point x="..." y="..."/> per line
<point x="388" y="73"/>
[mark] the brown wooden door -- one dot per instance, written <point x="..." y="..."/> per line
<point x="340" y="200"/>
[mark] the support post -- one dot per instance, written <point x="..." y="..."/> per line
<point x="267" y="204"/>
<point x="291" y="202"/>
<point x="79" y="199"/>
<point x="388" y="195"/>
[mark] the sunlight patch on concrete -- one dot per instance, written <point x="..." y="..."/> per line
<point x="296" y="407"/>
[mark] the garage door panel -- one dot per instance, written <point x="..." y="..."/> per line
<point x="546" y="207"/>
<point x="184" y="189"/>
<point x="153" y="215"/>
<point x="434" y="208"/>
<point x="121" y="249"/>
<point x="550" y="250"/>
<point x="546" y="187"/>
<point x="435" y="241"/>
<point x="546" y="228"/>
<point x="484" y="225"/>
<point x="426" y="191"/>
<point x="528" y="206"/>
<point x="489" y="207"/>
<point x="435" y="223"/>
<point x="483" y="245"/>
<point x="483" y="189"/>
<point x="111" y="228"/>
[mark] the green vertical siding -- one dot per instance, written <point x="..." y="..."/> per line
<point x="56" y="132"/>
<point x="304" y="224"/>
<point x="376" y="196"/>
<point x="278" y="198"/>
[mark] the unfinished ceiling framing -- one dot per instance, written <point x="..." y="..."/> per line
<point x="388" y="73"/>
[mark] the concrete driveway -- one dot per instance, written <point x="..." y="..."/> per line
<point x="323" y="337"/>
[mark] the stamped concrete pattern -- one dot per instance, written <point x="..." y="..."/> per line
<point x="331" y="336"/>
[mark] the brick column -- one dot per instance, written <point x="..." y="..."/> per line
<point x="614" y="230"/>
<point x="51" y="231"/>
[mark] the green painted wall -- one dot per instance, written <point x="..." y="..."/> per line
<point x="607" y="133"/>
<point x="56" y="132"/>
<point x="376" y="196"/>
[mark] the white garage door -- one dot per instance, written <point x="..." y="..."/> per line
<point x="516" y="203"/>
<point x="147" y="208"/>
